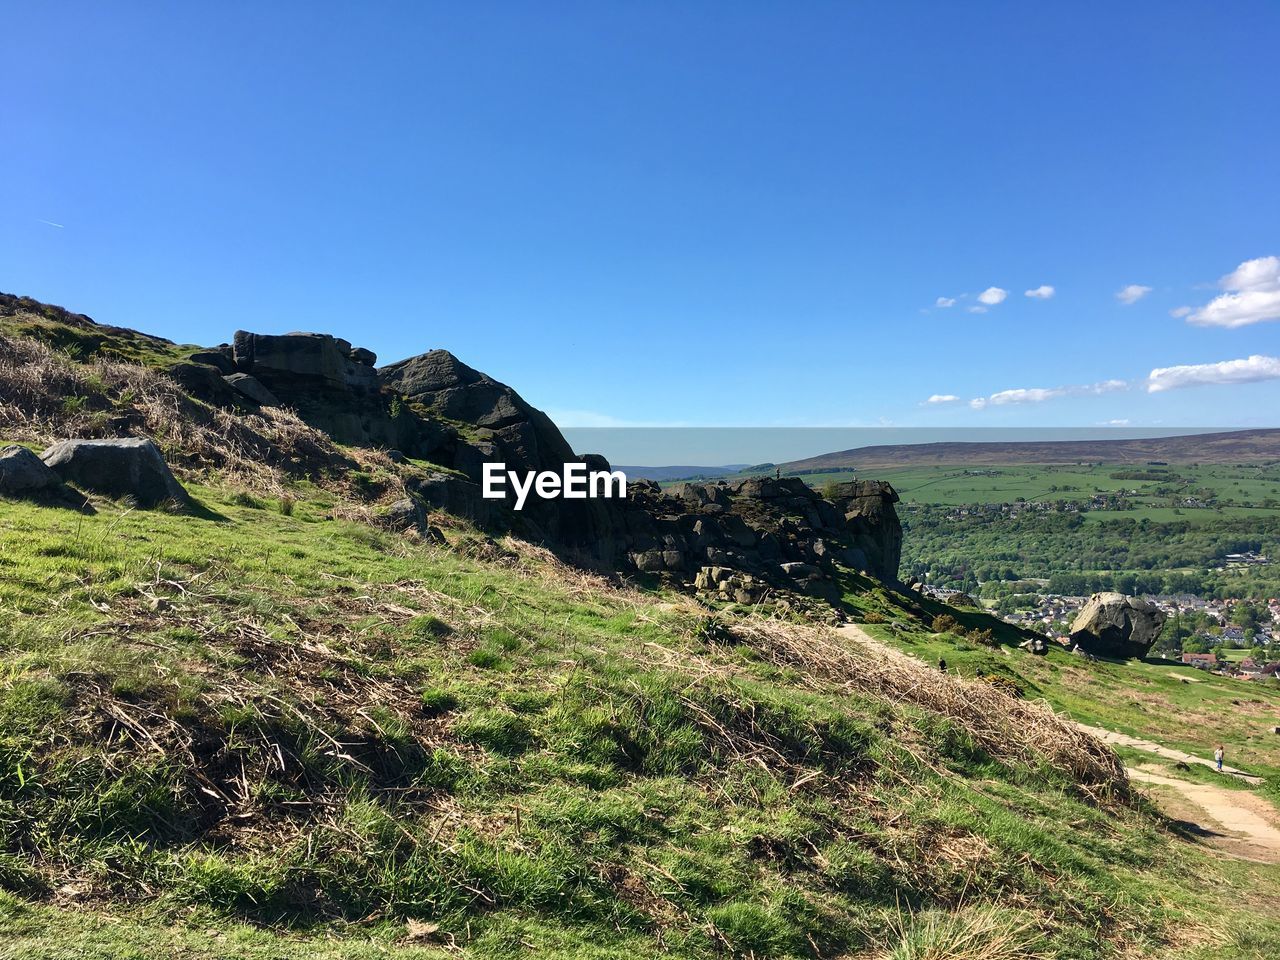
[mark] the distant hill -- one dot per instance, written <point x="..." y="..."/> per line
<point x="1236" y="446"/>
<point x="666" y="474"/>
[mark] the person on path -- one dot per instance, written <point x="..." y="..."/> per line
<point x="1218" y="754"/>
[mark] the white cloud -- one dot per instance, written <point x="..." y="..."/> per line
<point x="1104" y="386"/>
<point x="1260" y="274"/>
<point x="992" y="295"/>
<point x="943" y="398"/>
<point x="1132" y="293"/>
<point x="1180" y="312"/>
<point x="1248" y="370"/>
<point x="1252" y="296"/>
<point x="1041" y="394"/>
<point x="945" y="302"/>
<point x="977" y="309"/>
<point x="1042" y="292"/>
<point x="1116" y="423"/>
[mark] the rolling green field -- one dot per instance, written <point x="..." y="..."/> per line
<point x="1144" y="529"/>
<point x="1250" y="485"/>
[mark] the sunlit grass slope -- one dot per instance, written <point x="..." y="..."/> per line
<point x="260" y="731"/>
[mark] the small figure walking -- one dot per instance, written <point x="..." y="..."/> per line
<point x="1218" y="754"/>
<point x="942" y="665"/>
<point x="777" y="474"/>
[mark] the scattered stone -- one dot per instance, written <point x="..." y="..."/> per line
<point x="252" y="388"/>
<point x="405" y="514"/>
<point x="132" y="467"/>
<point x="798" y="570"/>
<point x="214" y="358"/>
<point x="22" y="473"/>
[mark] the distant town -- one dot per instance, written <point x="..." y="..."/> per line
<point x="1234" y="637"/>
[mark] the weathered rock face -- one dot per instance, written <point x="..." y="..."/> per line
<point x="118" y="468"/>
<point x="1117" y="626"/>
<point x="511" y="429"/>
<point x="873" y="523"/>
<point x="306" y="358"/>
<point x="780" y="533"/>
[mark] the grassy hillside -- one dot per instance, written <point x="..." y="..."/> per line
<point x="268" y="732"/>
<point x="264" y="727"/>
<point x="79" y="337"/>
<point x="1175" y="705"/>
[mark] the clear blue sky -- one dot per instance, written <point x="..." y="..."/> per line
<point x="701" y="213"/>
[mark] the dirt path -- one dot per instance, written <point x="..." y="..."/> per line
<point x="1169" y="753"/>
<point x="1236" y="822"/>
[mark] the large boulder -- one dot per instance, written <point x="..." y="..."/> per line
<point x="872" y="523"/>
<point x="131" y="467"/>
<point x="23" y="474"/>
<point x="1116" y="626"/>
<point x="333" y="387"/>
<point x="405" y="514"/>
<point x="439" y="381"/>
<point x="205" y="382"/>
<point x="26" y="476"/>
<point x="300" y="358"/>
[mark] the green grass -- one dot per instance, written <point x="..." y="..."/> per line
<point x="1164" y="701"/>
<point x="70" y="334"/>
<point x="955" y="486"/>
<point x="257" y="733"/>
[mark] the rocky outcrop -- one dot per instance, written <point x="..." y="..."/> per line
<point x="501" y="427"/>
<point x="873" y="525"/>
<point x="780" y="532"/>
<point x="131" y="468"/>
<point x="773" y="533"/>
<point x="332" y="386"/>
<point x="304" y="358"/>
<point x="1116" y="626"/>
<point x="509" y="429"/>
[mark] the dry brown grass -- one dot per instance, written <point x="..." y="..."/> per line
<point x="45" y="396"/>
<point x="970" y="933"/>
<point x="1006" y="727"/>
